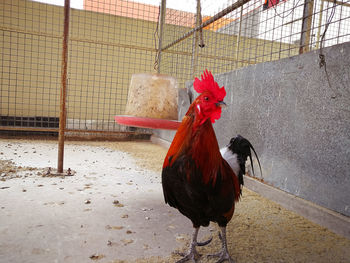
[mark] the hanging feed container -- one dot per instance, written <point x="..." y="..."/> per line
<point x="152" y="102"/>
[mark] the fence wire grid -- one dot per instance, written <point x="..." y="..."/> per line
<point x="109" y="40"/>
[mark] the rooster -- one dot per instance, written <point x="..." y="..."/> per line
<point x="196" y="178"/>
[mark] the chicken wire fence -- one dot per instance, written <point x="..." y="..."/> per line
<point x="242" y="33"/>
<point x="109" y="40"/>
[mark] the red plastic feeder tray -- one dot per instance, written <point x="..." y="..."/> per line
<point x="144" y="122"/>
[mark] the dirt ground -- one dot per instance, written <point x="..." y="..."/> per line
<point x="112" y="210"/>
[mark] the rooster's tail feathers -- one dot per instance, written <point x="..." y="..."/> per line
<point x="236" y="154"/>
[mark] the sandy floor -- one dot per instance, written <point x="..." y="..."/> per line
<point x="112" y="210"/>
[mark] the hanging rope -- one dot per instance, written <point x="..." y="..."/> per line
<point x="329" y="20"/>
<point x="156" y="39"/>
<point x="322" y="62"/>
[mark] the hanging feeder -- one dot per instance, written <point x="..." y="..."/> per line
<point x="152" y="102"/>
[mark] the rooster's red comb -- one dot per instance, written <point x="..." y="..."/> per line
<point x="207" y="83"/>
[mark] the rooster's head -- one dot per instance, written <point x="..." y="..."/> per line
<point x="208" y="104"/>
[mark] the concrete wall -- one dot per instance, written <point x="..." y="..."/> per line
<point x="298" y="124"/>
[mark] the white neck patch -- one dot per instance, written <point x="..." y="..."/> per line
<point x="231" y="159"/>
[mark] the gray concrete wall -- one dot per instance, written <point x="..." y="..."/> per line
<point x="299" y="125"/>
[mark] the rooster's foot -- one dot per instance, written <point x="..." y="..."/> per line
<point x="193" y="256"/>
<point x="223" y="256"/>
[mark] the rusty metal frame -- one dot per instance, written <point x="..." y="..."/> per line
<point x="63" y="95"/>
<point x="161" y="32"/>
<point x="306" y="26"/>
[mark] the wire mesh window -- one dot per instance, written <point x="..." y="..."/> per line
<point x="255" y="32"/>
<point x="30" y="64"/>
<point x="108" y="43"/>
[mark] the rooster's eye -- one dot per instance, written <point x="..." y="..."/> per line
<point x="206" y="98"/>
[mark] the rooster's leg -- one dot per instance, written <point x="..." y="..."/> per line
<point x="223" y="255"/>
<point x="192" y="255"/>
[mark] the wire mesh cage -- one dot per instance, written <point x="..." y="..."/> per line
<point x="108" y="43"/>
<point x="252" y="32"/>
<point x="109" y="40"/>
<point x="30" y="64"/>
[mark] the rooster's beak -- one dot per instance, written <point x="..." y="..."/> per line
<point x="221" y="104"/>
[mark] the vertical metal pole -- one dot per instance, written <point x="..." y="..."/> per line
<point x="319" y="24"/>
<point x="239" y="36"/>
<point x="63" y="94"/>
<point x="306" y="27"/>
<point x="196" y="40"/>
<point x="161" y="32"/>
<point x="194" y="52"/>
<point x="199" y="14"/>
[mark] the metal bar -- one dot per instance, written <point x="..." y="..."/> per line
<point x="161" y="32"/>
<point x="338" y="3"/>
<point x="306" y="26"/>
<point x="291" y="22"/>
<point x="340" y="15"/>
<point x="11" y="128"/>
<point x="103" y="132"/>
<point x="208" y="22"/>
<point x="30" y="32"/>
<point x="319" y="25"/>
<point x="225" y="58"/>
<point x="193" y="57"/>
<point x="199" y="14"/>
<point x="63" y="95"/>
<point x="34" y="129"/>
<point x="239" y="36"/>
<point x="195" y="45"/>
<point x="77" y="39"/>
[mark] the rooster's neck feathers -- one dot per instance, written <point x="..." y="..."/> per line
<point x="198" y="141"/>
<point x="196" y="137"/>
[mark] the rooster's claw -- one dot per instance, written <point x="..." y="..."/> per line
<point x="222" y="257"/>
<point x="193" y="256"/>
<point x="204" y="243"/>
